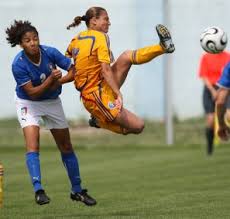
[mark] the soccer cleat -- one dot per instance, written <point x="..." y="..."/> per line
<point x="41" y="198"/>
<point x="93" y="122"/>
<point x="83" y="197"/>
<point x="165" y="38"/>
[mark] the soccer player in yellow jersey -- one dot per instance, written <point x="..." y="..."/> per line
<point x="99" y="78"/>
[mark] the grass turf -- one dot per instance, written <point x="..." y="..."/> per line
<point x="130" y="179"/>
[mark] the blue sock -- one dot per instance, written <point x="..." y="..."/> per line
<point x="71" y="164"/>
<point x="33" y="165"/>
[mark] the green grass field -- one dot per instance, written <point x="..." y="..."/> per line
<point x="132" y="177"/>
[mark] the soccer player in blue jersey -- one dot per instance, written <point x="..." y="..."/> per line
<point x="222" y="95"/>
<point x="37" y="97"/>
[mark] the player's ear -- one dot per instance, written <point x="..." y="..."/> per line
<point x="93" y="21"/>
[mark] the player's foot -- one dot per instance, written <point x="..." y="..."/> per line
<point x="93" y="122"/>
<point x="165" y="38"/>
<point x="41" y="198"/>
<point x="83" y="197"/>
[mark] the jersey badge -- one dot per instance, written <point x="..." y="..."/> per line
<point x="111" y="105"/>
<point x="23" y="113"/>
<point x="75" y="52"/>
<point x="51" y="66"/>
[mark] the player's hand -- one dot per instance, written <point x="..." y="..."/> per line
<point x="224" y="133"/>
<point x="56" y="74"/>
<point x="119" y="101"/>
<point x="214" y="95"/>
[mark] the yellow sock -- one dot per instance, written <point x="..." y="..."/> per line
<point x="146" y="54"/>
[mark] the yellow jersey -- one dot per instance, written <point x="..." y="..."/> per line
<point x="89" y="49"/>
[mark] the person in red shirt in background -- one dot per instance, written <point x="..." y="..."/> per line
<point x="210" y="70"/>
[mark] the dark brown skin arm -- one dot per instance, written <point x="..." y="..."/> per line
<point x="36" y="92"/>
<point x="69" y="77"/>
<point x="222" y="95"/>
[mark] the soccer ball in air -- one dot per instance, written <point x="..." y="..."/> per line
<point x="213" y="40"/>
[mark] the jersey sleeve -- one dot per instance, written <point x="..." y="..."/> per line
<point x="68" y="52"/>
<point x="224" y="80"/>
<point x="61" y="60"/>
<point x="103" y="51"/>
<point x="20" y="74"/>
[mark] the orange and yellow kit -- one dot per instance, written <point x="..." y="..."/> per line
<point x="89" y="49"/>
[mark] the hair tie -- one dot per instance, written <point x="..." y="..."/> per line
<point x="83" y="18"/>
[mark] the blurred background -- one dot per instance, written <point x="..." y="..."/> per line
<point x="133" y="26"/>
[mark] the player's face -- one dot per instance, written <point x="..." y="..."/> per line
<point x="30" y="43"/>
<point x="102" y="23"/>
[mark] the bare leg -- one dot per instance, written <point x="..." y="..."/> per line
<point x="126" y="59"/>
<point x="129" y="122"/>
<point x="210" y="120"/>
<point x="121" y="67"/>
<point x="140" y="56"/>
<point x="31" y="135"/>
<point x="62" y="139"/>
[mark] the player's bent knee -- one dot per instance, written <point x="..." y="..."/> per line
<point x="140" y="128"/>
<point x="66" y="148"/>
<point x="134" y="130"/>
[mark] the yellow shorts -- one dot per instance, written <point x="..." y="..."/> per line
<point x="100" y="104"/>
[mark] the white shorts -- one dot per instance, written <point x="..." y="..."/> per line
<point x="50" y="112"/>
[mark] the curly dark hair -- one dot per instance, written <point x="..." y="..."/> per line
<point x="16" y="31"/>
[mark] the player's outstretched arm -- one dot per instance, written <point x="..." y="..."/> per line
<point x="223" y="130"/>
<point x="69" y="77"/>
<point x="36" y="92"/>
<point x="109" y="77"/>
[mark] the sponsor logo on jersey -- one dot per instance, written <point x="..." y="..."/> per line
<point x="111" y="105"/>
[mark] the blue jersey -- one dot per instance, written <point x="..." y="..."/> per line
<point x="25" y="71"/>
<point x="224" y="80"/>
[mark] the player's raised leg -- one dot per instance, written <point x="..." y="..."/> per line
<point x="133" y="57"/>
<point x="143" y="55"/>
<point x="165" y="38"/>
<point x="122" y="65"/>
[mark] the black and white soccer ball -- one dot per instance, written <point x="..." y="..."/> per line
<point x="213" y="40"/>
